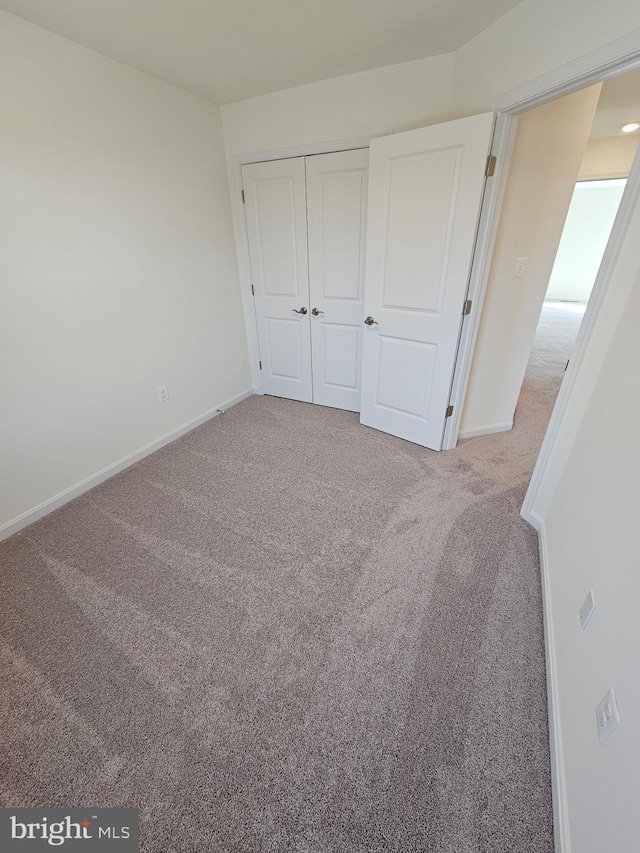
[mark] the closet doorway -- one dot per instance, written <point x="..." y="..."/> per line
<point x="306" y="226"/>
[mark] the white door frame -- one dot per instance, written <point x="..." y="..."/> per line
<point x="501" y="148"/>
<point x="242" y="238"/>
<point x="607" y="61"/>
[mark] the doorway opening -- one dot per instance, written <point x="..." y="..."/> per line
<point x="566" y="180"/>
<point x="594" y="205"/>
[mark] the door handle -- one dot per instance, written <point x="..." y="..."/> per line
<point x="315" y="312"/>
<point x="370" y="321"/>
<point x="302" y="310"/>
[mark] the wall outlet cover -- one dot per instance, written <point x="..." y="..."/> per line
<point x="163" y="394"/>
<point x="607" y="715"/>
<point x="588" y="609"/>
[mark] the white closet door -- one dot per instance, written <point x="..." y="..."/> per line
<point x="425" y="191"/>
<point x="275" y="208"/>
<point x="336" y="214"/>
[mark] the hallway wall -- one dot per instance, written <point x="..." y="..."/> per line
<point x="593" y="208"/>
<point x="608" y="158"/>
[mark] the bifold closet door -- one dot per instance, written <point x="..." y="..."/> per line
<point x="276" y="214"/>
<point x="336" y="220"/>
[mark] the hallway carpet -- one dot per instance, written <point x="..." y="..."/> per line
<point x="288" y="632"/>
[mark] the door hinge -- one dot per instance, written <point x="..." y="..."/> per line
<point x="491" y="165"/>
<point x="252" y="290"/>
<point x="243" y="196"/>
<point x="260" y="363"/>
<point x="467" y="307"/>
<point x="449" y="411"/>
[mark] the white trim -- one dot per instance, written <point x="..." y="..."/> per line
<point x="486" y="430"/>
<point x="561" y="831"/>
<point x="628" y="204"/>
<point x="616" y="57"/>
<point x="308" y="150"/>
<point x="535" y="521"/>
<point x="28" y="517"/>
<point x="502" y="147"/>
<point x="234" y="171"/>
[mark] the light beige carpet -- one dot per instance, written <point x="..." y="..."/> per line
<point x="288" y="632"/>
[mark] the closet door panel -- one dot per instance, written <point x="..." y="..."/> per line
<point x="336" y="218"/>
<point x="341" y="348"/>
<point x="275" y="210"/>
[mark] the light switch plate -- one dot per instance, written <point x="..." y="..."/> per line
<point x="521" y="266"/>
<point x="588" y="609"/>
<point x="607" y="715"/>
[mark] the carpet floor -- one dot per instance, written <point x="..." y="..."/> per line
<point x="288" y="632"/>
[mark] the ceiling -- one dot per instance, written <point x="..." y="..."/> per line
<point x="619" y="103"/>
<point x="228" y="50"/>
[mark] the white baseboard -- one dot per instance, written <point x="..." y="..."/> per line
<point x="31" y="515"/>
<point x="531" y="518"/>
<point x="562" y="839"/>
<point x="486" y="430"/>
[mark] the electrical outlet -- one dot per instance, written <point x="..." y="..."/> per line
<point x="607" y="715"/>
<point x="588" y="609"/>
<point x="163" y="394"/>
<point x="521" y="266"/>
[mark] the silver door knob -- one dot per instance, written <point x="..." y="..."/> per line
<point x="370" y="321"/>
<point x="316" y="311"/>
<point x="302" y="310"/>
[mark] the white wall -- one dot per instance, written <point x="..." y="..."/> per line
<point x="548" y="150"/>
<point x="118" y="264"/>
<point x="608" y="158"/>
<point x="593" y="208"/>
<point x="367" y="104"/>
<point x="590" y="531"/>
